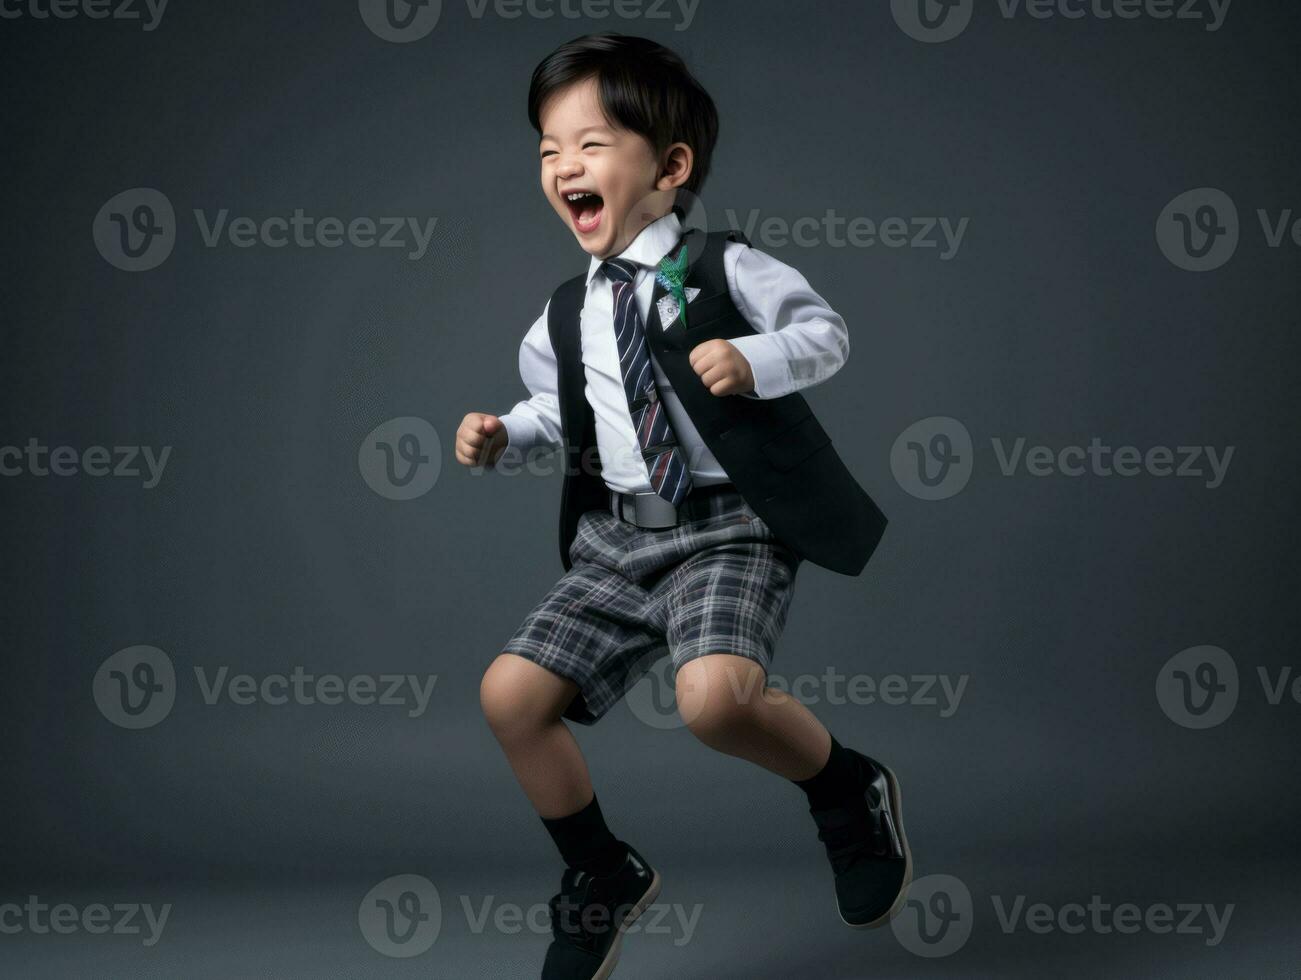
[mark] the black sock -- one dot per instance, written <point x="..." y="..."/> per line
<point x="839" y="780"/>
<point x="585" y="842"/>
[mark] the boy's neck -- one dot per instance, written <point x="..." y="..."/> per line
<point x="635" y="238"/>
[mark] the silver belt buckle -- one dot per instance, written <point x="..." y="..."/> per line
<point x="649" y="510"/>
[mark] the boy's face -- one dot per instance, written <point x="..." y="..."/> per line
<point x="616" y="171"/>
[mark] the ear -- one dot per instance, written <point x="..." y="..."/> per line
<point x="675" y="167"/>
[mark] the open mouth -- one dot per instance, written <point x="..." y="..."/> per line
<point x="586" y="207"/>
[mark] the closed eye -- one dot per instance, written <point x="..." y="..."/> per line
<point x="551" y="153"/>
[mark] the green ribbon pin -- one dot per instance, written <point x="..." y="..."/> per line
<point x="672" y="275"/>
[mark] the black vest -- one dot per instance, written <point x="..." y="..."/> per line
<point x="774" y="450"/>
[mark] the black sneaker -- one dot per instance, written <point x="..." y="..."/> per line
<point x="868" y="849"/>
<point x="590" y="914"/>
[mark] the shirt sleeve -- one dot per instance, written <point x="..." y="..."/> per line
<point x="800" y="341"/>
<point x="536" y="421"/>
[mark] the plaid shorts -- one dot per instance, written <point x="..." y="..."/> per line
<point x="719" y="582"/>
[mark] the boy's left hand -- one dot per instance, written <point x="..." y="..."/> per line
<point x="723" y="369"/>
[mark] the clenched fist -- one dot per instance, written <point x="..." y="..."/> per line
<point x="480" y="439"/>
<point x="723" y="369"/>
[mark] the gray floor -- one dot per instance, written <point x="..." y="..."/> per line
<point x="713" y="923"/>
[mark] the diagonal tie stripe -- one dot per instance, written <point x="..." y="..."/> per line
<point x="667" y="469"/>
<point x="646" y="429"/>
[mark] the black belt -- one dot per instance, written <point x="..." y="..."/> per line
<point x="651" y="512"/>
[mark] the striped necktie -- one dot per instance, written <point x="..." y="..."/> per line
<point x="669" y="476"/>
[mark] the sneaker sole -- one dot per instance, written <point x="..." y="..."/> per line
<point x="896" y="806"/>
<point x="634" y="913"/>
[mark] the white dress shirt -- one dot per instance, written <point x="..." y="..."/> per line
<point x="800" y="342"/>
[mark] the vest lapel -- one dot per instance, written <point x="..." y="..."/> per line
<point x="565" y="328"/>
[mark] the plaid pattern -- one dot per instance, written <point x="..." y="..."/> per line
<point x="717" y="583"/>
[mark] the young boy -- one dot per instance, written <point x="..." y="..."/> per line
<point x="697" y="480"/>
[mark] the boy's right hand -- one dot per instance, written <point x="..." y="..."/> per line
<point x="480" y="439"/>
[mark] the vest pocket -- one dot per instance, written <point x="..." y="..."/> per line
<point x="796" y="443"/>
<point x="705" y="309"/>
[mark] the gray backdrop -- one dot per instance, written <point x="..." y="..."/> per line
<point x="1119" y="723"/>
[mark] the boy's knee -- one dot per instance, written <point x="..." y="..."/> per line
<point x="716" y="696"/>
<point x="504" y="698"/>
<point x="519" y="698"/>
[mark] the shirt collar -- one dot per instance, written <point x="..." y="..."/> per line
<point x="651" y="244"/>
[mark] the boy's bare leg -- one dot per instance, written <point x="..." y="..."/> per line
<point x="523" y="703"/>
<point x="723" y="700"/>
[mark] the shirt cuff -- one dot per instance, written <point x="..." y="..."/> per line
<point x="772" y="374"/>
<point x="521" y="433"/>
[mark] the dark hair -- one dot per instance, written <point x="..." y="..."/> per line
<point x="643" y="87"/>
